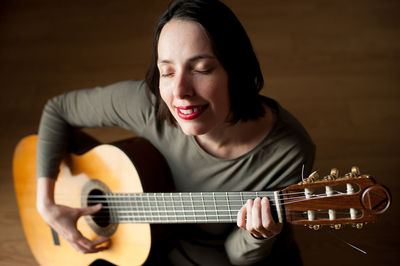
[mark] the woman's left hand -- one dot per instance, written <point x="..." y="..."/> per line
<point x="256" y="218"/>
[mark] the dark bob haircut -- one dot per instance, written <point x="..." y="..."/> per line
<point x="231" y="46"/>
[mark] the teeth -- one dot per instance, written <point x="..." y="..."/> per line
<point x="189" y="111"/>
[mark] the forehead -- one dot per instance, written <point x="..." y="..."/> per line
<point x="181" y="39"/>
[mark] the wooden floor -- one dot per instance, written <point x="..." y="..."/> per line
<point x="334" y="64"/>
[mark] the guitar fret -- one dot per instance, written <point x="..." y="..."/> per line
<point x="157" y="209"/>
<point x="130" y="205"/>
<point x="183" y="208"/>
<point x="193" y="209"/>
<point x="204" y="206"/>
<point x="227" y="202"/>
<point x="125" y="203"/>
<point x="109" y="203"/>
<point x="215" y="206"/>
<point x="117" y="204"/>
<point x="173" y="207"/>
<point x="165" y="206"/>
<point x="142" y="201"/>
<point x="241" y="198"/>
<point x="151" y="213"/>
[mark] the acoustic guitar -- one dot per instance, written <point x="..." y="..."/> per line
<point x="121" y="177"/>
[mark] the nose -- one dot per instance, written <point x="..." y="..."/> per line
<point x="183" y="86"/>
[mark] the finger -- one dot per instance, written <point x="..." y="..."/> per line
<point x="84" y="245"/>
<point x="77" y="241"/>
<point x="266" y="213"/>
<point x="268" y="220"/>
<point x="241" y="217"/>
<point x="90" y="210"/>
<point x="256" y="214"/>
<point x="258" y="223"/>
<point x="250" y="219"/>
<point x="88" y="246"/>
<point x="102" y="243"/>
<point x="249" y="206"/>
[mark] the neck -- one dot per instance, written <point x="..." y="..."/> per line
<point x="231" y="141"/>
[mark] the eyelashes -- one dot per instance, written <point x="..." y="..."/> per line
<point x="166" y="75"/>
<point x="171" y="74"/>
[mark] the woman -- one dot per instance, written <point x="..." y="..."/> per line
<point x="200" y="107"/>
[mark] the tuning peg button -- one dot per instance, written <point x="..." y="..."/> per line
<point x="315" y="226"/>
<point x="313" y="177"/>
<point x="336" y="226"/>
<point x="334" y="173"/>
<point x="358" y="225"/>
<point x="355" y="171"/>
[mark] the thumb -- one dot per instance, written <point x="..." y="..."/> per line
<point x="91" y="210"/>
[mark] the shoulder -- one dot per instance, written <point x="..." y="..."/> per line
<point x="288" y="135"/>
<point x="288" y="125"/>
<point x="127" y="87"/>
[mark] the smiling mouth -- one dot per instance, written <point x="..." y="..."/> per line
<point x="191" y="112"/>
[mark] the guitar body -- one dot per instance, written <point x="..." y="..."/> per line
<point x="107" y="167"/>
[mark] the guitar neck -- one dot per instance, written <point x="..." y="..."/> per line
<point x="185" y="207"/>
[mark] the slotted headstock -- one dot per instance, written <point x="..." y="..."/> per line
<point x="332" y="200"/>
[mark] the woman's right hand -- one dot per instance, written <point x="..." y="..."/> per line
<point x="64" y="219"/>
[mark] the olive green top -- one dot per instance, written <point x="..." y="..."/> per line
<point x="275" y="162"/>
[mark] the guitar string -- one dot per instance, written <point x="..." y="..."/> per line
<point x="117" y="209"/>
<point x="155" y="216"/>
<point x="231" y="218"/>
<point x="199" y="212"/>
<point x="139" y="198"/>
<point x="194" y="213"/>
<point x="187" y="194"/>
<point x="180" y="217"/>
<point x="249" y="194"/>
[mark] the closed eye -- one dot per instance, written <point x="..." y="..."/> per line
<point x="203" y="71"/>
<point x="166" y="75"/>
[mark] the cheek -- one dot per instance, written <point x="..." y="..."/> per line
<point x="165" y="95"/>
<point x="220" y="93"/>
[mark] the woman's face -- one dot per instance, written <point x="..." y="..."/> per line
<point x="193" y="83"/>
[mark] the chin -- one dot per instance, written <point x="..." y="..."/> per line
<point x="192" y="130"/>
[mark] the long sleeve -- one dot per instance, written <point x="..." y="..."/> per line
<point x="244" y="249"/>
<point x="122" y="104"/>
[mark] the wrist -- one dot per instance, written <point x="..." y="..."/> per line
<point x="45" y="195"/>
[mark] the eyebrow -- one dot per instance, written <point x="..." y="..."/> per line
<point x="192" y="59"/>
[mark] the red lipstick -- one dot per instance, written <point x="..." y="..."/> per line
<point x="190" y="112"/>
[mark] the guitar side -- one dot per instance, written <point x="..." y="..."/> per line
<point x="130" y="243"/>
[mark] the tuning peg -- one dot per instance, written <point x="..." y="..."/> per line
<point x="315" y="226"/>
<point x="334" y="174"/>
<point x="355" y="171"/>
<point x="336" y="226"/>
<point x="313" y="177"/>
<point x="358" y="225"/>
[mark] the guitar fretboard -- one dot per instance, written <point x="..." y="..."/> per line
<point x="186" y="207"/>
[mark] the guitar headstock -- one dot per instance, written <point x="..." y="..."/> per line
<point x="332" y="200"/>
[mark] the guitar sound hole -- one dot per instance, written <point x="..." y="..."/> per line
<point x="102" y="217"/>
